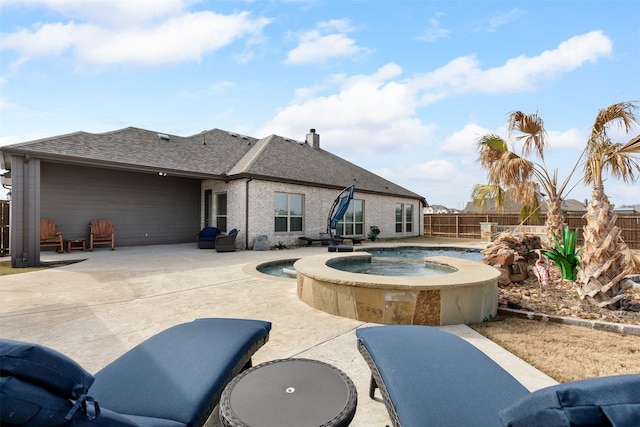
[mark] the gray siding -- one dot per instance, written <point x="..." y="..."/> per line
<point x="146" y="209"/>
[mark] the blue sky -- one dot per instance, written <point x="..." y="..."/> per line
<point x="402" y="88"/>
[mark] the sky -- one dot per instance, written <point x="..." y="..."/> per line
<point x="401" y="88"/>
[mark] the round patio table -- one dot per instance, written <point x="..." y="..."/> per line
<point x="289" y="392"/>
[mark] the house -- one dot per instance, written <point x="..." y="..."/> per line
<point x="162" y="189"/>
<point x="436" y="209"/>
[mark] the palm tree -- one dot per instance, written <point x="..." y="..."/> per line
<point x="603" y="263"/>
<point x="522" y="179"/>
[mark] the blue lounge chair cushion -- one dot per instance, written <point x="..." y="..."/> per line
<point x="43" y="367"/>
<point x="233" y="231"/>
<point x="175" y="374"/>
<point x="611" y="401"/>
<point x="208" y="234"/>
<point x="435" y="377"/>
<point x="24" y="403"/>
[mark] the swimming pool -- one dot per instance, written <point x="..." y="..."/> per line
<point x="420" y="252"/>
<point x="384" y="267"/>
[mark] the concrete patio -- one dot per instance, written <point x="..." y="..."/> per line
<point x="97" y="309"/>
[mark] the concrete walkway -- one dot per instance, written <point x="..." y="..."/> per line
<point x="95" y="310"/>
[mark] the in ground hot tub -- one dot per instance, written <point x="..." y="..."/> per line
<point x="468" y="293"/>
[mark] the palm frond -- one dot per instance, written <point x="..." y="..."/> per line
<point x="491" y="147"/>
<point x="532" y="128"/>
<point x="621" y="113"/>
<point x="633" y="146"/>
<point x="622" y="165"/>
<point x="482" y="193"/>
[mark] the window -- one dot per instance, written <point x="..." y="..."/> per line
<point x="221" y="212"/>
<point x="408" y="218"/>
<point x="353" y="222"/>
<point x="288" y="212"/>
<point x="404" y="218"/>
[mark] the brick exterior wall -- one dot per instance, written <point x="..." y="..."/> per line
<point x="379" y="210"/>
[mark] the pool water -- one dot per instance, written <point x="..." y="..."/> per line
<point x="381" y="267"/>
<point x="276" y="268"/>
<point x="417" y="252"/>
<point x="389" y="268"/>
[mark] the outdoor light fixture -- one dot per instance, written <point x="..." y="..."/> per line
<point x="162" y="173"/>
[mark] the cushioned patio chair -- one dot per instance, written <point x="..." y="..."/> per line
<point x="101" y="233"/>
<point x="175" y="378"/>
<point x="50" y="236"/>
<point x="207" y="238"/>
<point x="430" y="377"/>
<point x="226" y="242"/>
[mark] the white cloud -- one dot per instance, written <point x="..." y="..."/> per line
<point x="434" y="32"/>
<point x="570" y="139"/>
<point x="112" y="13"/>
<point x="316" y="46"/>
<point x="180" y="38"/>
<point x="463" y="142"/>
<point x="464" y="74"/>
<point x="501" y="19"/>
<point x="367" y="114"/>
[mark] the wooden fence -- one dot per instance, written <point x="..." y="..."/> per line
<point x="468" y="225"/>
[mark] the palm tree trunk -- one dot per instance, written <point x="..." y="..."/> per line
<point x="602" y="263"/>
<point x="555" y="220"/>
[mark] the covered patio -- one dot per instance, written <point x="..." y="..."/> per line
<point x="95" y="310"/>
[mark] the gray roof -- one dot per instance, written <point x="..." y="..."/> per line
<point x="215" y="153"/>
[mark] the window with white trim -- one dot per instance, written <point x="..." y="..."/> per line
<point x="404" y="218"/>
<point x="288" y="210"/>
<point x="221" y="211"/>
<point x="353" y="222"/>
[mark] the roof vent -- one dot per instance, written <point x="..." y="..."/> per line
<point x="164" y="136"/>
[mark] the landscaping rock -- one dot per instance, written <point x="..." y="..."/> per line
<point x="261" y="243"/>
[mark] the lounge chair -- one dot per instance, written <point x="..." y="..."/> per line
<point x="101" y="233"/>
<point x="226" y="242"/>
<point x="354" y="240"/>
<point x="207" y="238"/>
<point x="325" y="239"/>
<point x="50" y="236"/>
<point x="430" y="377"/>
<point x="174" y="378"/>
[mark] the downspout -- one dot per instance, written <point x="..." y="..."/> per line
<point x="25" y="212"/>
<point x="246" y="213"/>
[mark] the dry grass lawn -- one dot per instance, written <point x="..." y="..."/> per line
<point x="564" y="352"/>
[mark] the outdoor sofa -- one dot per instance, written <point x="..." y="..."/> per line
<point x="430" y="377"/>
<point x="175" y="378"/>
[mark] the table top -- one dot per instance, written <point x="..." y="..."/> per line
<point x="289" y="392"/>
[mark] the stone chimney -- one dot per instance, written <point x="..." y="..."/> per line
<point x="313" y="139"/>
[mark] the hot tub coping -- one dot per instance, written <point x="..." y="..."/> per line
<point x="468" y="273"/>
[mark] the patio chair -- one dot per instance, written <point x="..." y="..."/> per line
<point x="226" y="242"/>
<point x="102" y="233"/>
<point x="50" y="236"/>
<point x="207" y="238"/>
<point x="175" y="378"/>
<point x="424" y="373"/>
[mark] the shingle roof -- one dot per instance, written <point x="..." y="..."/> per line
<point x="214" y="153"/>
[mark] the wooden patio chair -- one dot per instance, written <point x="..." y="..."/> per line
<point x="102" y="233"/>
<point x="50" y="236"/>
